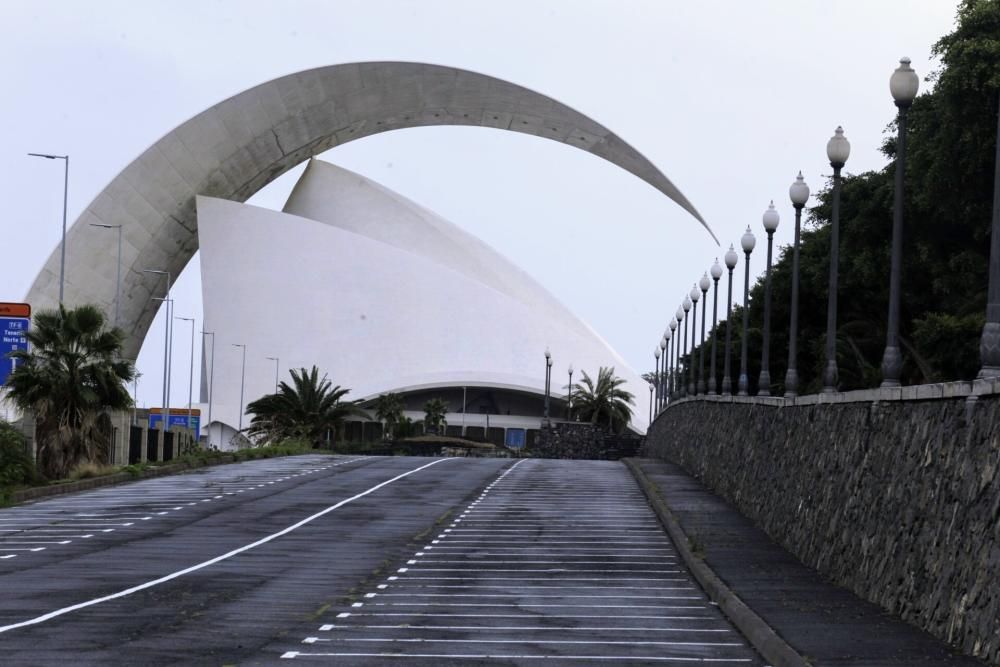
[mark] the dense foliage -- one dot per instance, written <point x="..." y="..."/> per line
<point x="434" y="415"/>
<point x="69" y="379"/>
<point x="389" y="411"/>
<point x="311" y="409"/>
<point x="603" y="402"/>
<point x="16" y="467"/>
<point x="951" y="143"/>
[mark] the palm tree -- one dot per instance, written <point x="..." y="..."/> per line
<point x="434" y="412"/>
<point x="603" y="403"/>
<point x="389" y="411"/>
<point x="306" y="410"/>
<point x="69" y="378"/>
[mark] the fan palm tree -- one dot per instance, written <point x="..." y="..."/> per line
<point x="434" y="412"/>
<point x="69" y="378"/>
<point x="389" y="411"/>
<point x="308" y="409"/>
<point x="603" y="402"/>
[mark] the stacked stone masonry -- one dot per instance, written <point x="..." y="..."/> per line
<point x="899" y="501"/>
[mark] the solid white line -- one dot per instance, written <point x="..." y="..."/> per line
<point x="491" y="604"/>
<point x="503" y="656"/>
<point x="421" y="640"/>
<point x="558" y="597"/>
<point x="501" y="628"/>
<point x="212" y="561"/>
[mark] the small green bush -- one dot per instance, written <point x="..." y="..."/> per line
<point x="16" y="467"/>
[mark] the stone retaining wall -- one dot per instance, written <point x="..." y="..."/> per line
<point x="898" y="501"/>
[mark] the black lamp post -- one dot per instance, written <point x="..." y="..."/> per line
<point x="663" y="377"/>
<point x="838" y="149"/>
<point x="685" y="388"/>
<point x="799" y="194"/>
<point x="658" y="376"/>
<point x="693" y="375"/>
<point x="569" y="395"/>
<point x="747" y="241"/>
<point x="770" y="220"/>
<point x="727" y="377"/>
<point x="674" y="344"/>
<point x="989" y="344"/>
<point x="650" y="402"/>
<point x="703" y="284"/>
<point x="716" y="274"/>
<point x="548" y="379"/>
<point x="903" y="85"/>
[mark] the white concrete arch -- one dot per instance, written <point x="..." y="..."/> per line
<point x="235" y="148"/>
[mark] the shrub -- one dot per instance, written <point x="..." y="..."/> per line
<point x="16" y="467"/>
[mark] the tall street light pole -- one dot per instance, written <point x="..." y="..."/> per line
<point x="704" y="284"/>
<point x="190" y="373"/>
<point x="243" y="377"/>
<point x="716" y="274"/>
<point x="799" y="194"/>
<point x="569" y="394"/>
<point x="659" y="374"/>
<point x="770" y="220"/>
<point x="276" y="361"/>
<point x="664" y="340"/>
<point x="903" y="84"/>
<point x="674" y="345"/>
<point x="685" y="387"/>
<point x="62" y="246"/>
<point x="118" y="279"/>
<point x="548" y="371"/>
<point x="748" y="241"/>
<point x="166" y="349"/>
<point x="989" y="344"/>
<point x="838" y="149"/>
<point x="651" y="402"/>
<point x="693" y="374"/>
<point x="211" y="386"/>
<point x="727" y="377"/>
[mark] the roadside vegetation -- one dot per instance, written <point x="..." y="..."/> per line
<point x="603" y="402"/>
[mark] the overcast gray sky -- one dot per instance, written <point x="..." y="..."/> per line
<point x="728" y="98"/>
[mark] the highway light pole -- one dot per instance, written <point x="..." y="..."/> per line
<point x="211" y="387"/>
<point x="903" y="85"/>
<point x="118" y="279"/>
<point x="190" y="374"/>
<point x="62" y="245"/>
<point x="166" y="349"/>
<point x="243" y="377"/>
<point x="276" y="362"/>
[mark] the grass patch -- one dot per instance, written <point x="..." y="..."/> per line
<point x="91" y="470"/>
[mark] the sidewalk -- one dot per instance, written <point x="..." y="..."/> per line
<point x="825" y="624"/>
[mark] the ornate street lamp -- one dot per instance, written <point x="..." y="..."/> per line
<point x="704" y="284"/>
<point x="989" y="344"/>
<point x="650" y="402"/>
<point x="663" y="375"/>
<point x="838" y="149"/>
<point x="748" y="241"/>
<point x="727" y="377"/>
<point x="548" y="380"/>
<point x="716" y="274"/>
<point x="674" y="345"/>
<point x="903" y="85"/>
<point x="686" y="305"/>
<point x="569" y="395"/>
<point x="770" y="220"/>
<point x="658" y="375"/>
<point x="692" y="376"/>
<point x="799" y="194"/>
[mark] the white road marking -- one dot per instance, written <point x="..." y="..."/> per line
<point x="179" y="573"/>
<point x="508" y="657"/>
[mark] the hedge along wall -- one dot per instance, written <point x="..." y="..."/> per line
<point x="898" y="501"/>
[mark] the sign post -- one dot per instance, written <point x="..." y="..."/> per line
<point x="15" y="320"/>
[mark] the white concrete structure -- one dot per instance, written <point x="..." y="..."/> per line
<point x="379" y="293"/>
<point x="240" y="145"/>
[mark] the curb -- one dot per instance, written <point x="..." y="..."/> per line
<point x="762" y="636"/>
<point x="40" y="492"/>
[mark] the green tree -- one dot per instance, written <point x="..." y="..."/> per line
<point x="69" y="378"/>
<point x="309" y="409"/>
<point x="16" y="467"/>
<point x="389" y="411"/>
<point x="434" y="413"/>
<point x="603" y="402"/>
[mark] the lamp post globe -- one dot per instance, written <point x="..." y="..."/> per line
<point x="903" y="85"/>
<point x="703" y="285"/>
<point x="716" y="272"/>
<point x="672" y="366"/>
<point x="727" y="377"/>
<point x="747" y="242"/>
<point x="838" y="149"/>
<point x="770" y="220"/>
<point x="798" y="192"/>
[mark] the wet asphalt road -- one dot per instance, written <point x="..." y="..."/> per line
<point x="351" y="561"/>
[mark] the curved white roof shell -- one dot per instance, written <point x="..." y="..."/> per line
<point x="379" y="293"/>
<point x="243" y="143"/>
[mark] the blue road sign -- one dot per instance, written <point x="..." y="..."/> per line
<point x="515" y="438"/>
<point x="178" y="418"/>
<point x="12" y="330"/>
